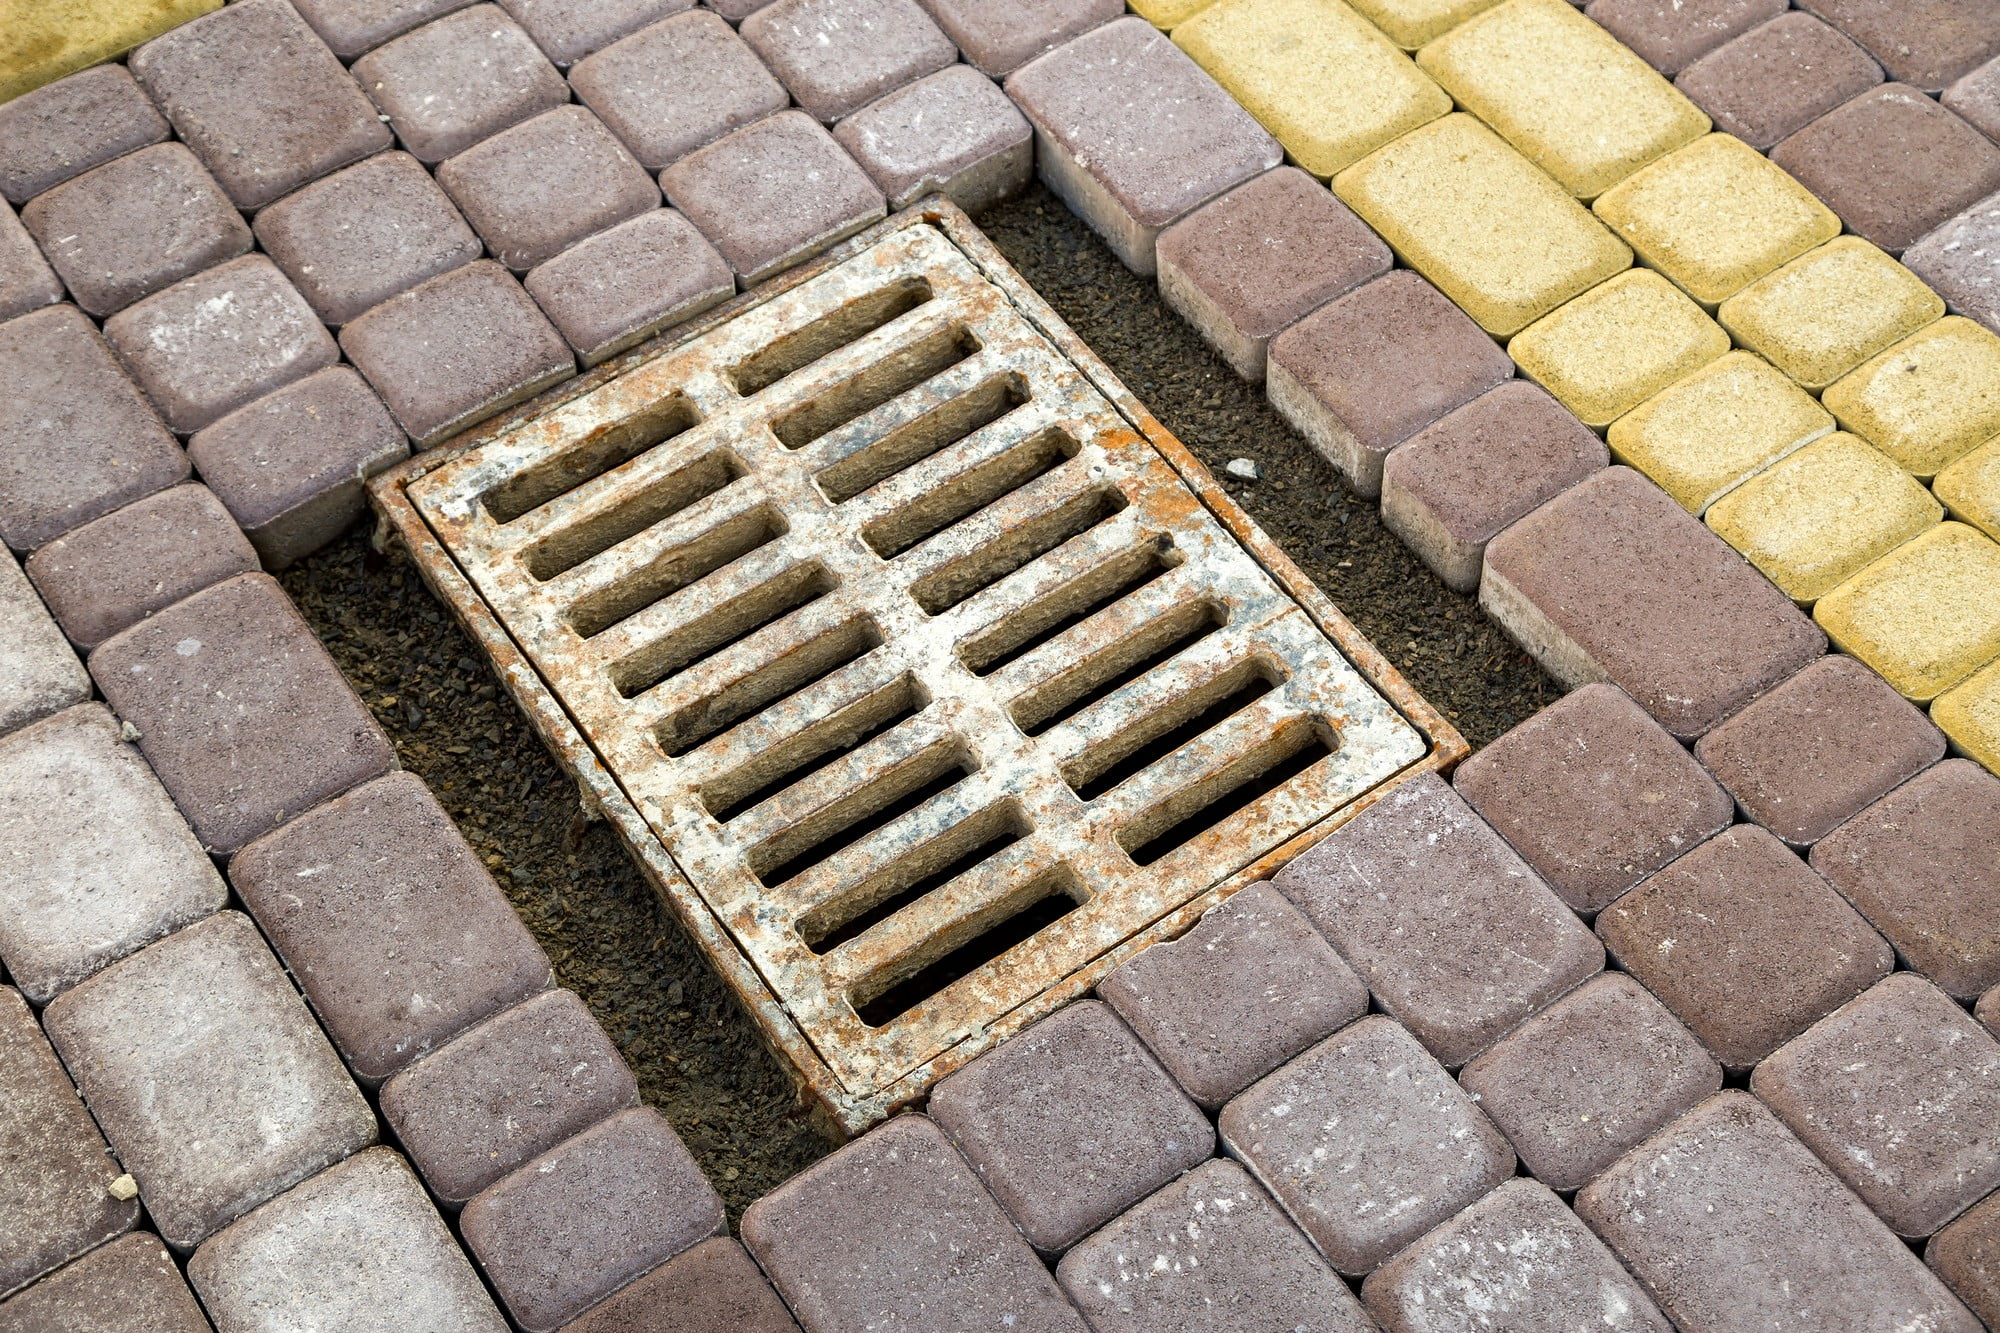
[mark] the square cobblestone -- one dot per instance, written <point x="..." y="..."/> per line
<point x="1927" y="401"/>
<point x="620" y="287"/>
<point x="459" y="80"/>
<point x="836" y="56"/>
<point x="953" y="132"/>
<point x="1925" y="42"/>
<point x="999" y="36"/>
<point x="670" y="88"/>
<point x="26" y="280"/>
<point x="569" y="30"/>
<point x="1672" y="34"/>
<point x="1970" y="715"/>
<point x="1966" y="1255"/>
<point x="131" y="1285"/>
<point x="1923" y="615"/>
<point x="350" y="27"/>
<point x="715" y="1285"/>
<point x="1617" y="345"/>
<point x="1411" y="23"/>
<point x="1976" y="98"/>
<point x="1829" y="310"/>
<point x="1961" y="259"/>
<point x="65" y="128"/>
<point x="39" y="673"/>
<point x="1971" y="486"/>
<point x="1778" y="78"/>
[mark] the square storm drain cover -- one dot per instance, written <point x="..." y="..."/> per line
<point x="942" y="675"/>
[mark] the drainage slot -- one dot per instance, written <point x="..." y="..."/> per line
<point x="798" y="757"/>
<point x="1112" y="668"/>
<point x="590" y="457"/>
<point x="1153" y="738"/>
<point x="1193" y="811"/>
<point x="956" y="852"/>
<point x="708" y="634"/>
<point x="795" y="850"/>
<point x="913" y="442"/>
<point x="970" y="492"/>
<point x="978" y="570"/>
<point x="829" y="333"/>
<point x="867" y="389"/>
<point x="1016" y="635"/>
<point x="675" y="569"/>
<point x="971" y="945"/>
<point x="570" y="545"/>
<point x="811" y="661"/>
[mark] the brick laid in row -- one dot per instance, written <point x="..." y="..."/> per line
<point x="39" y="674"/>
<point x="131" y="1285"/>
<point x="65" y="128"/>
<point x="459" y="80"/>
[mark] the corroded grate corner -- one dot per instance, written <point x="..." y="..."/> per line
<point x="926" y="673"/>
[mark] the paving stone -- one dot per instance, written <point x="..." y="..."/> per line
<point x="1747" y="946"/>
<point x="1971" y="488"/>
<point x="1976" y="98"/>
<point x="1929" y="399"/>
<point x="1366" y="1142"/>
<point x="1919" y="864"/>
<point x="1673" y="34"/>
<point x="1970" y="715"/>
<point x="953" y="132"/>
<point x="1829" y="310"/>
<point x="540" y="187"/>
<point x="46" y="42"/>
<point x="999" y="36"/>
<point x="357" y="1247"/>
<point x="714" y="1285"/>
<point x="55" y="1169"/>
<point x="736" y="10"/>
<point x="836" y="56"/>
<point x="1412" y="23"/>
<point x="1730" y="1222"/>
<point x="1966" y="1255"/>
<point x="1925" y="42"/>
<point x="569" y="30"/>
<point x="742" y="191"/>
<point x="1988" y="1011"/>
<point x="1481" y="946"/>
<point x="1961" y="259"/>
<point x="455" y="349"/>
<point x="208" y="1075"/>
<point x="39" y="674"/>
<point x="26" y="280"/>
<point x="67" y="127"/>
<point x="1209" y="1253"/>
<point x="508" y="1090"/>
<point x="1613" y="581"/>
<point x="1362" y="374"/>
<point x="350" y="27"/>
<point x="1453" y="486"/>
<point x="1778" y="78"/>
<point x="670" y="88"/>
<point x="1893" y="163"/>
<point x="1133" y="135"/>
<point x="1497" y="235"/>
<point x="260" y="99"/>
<point x="1248" y="988"/>
<point x="1070" y="1123"/>
<point x="584" y="1219"/>
<point x="131" y="1285"/>
<point x="1924" y="615"/>
<point x="114" y="571"/>
<point x="76" y="438"/>
<point x="459" y="80"/>
<point x="240" y="711"/>
<point x="618" y="288"/>
<point x="1246" y="266"/>
<point x="1617" y="345"/>
<point x="290" y="466"/>
<point x="1168" y="13"/>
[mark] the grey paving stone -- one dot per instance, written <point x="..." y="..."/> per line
<point x="365" y="233"/>
<point x="459" y="80"/>
<point x="389" y="922"/>
<point x="1966" y="1255"/>
<point x="1363" y="374"/>
<point x="736" y="10"/>
<point x="1582" y="1082"/>
<point x="208" y="1076"/>
<point x="39" y="674"/>
<point x="1730" y="1223"/>
<point x="894" y="1230"/>
<point x="132" y="226"/>
<point x="1976" y="98"/>
<point x="569" y="1228"/>
<point x="1672" y="34"/>
<point x="131" y="1285"/>
<point x="1456" y="936"/>
<point x="953" y="132"/>
<point x="65" y="128"/>
<point x="743" y="192"/>
<point x="1518" y="1260"/>
<point x="999" y="36"/>
<point x="259" y="98"/>
<point x="1925" y="42"/>
<point x="507" y="1090"/>
<point x="240" y="711"/>
<point x="1961" y="260"/>
<point x="836" y="56"/>
<point x="1070" y="1123"/>
<point x="1250" y="264"/>
<point x="356" y="1249"/>
<point x="26" y="280"/>
<point x="1248" y="988"/>
<point x="569" y="30"/>
<point x="76" y="437"/>
<point x="620" y="287"/>
<point x="350" y="27"/>
<point x="670" y="88"/>
<point x="455" y="349"/>
<point x="290" y="466"/>
<point x="1612" y="580"/>
<point x="95" y="862"/>
<point x="1919" y="863"/>
<point x="55" y="1169"/>
<point x="715" y="1285"/>
<point x="1133" y="135"/>
<point x="547" y="183"/>
<point x="1747" y="946"/>
<point x="1367" y="1143"/>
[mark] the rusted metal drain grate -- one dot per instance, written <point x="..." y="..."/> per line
<point x="936" y="680"/>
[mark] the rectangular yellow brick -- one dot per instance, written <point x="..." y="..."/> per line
<point x="1323" y="81"/>
<point x="1716" y="216"/>
<point x="1829" y="310"/>
<point x="42" y="40"/>
<point x="1970" y="488"/>
<point x="1617" y="345"/>
<point x="1703" y="435"/>
<point x="1491" y="231"/>
<point x="1970" y="715"/>
<point x="1932" y="398"/>
<point x="1564" y="91"/>
<point x="1168" y="13"/>
<point x="1924" y="616"/>
<point x="1411" y="23"/>
<point x="1823" y="515"/>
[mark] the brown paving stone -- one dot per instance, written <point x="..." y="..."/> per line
<point x="836" y="56"/>
<point x="1976" y="98"/>
<point x="569" y="30"/>
<point x="1778" y="78"/>
<point x="131" y="1285"/>
<point x="459" y="80"/>
<point x="999" y="36"/>
<point x="1925" y="42"/>
<point x="715" y="1285"/>
<point x="1747" y="946"/>
<point x="1961" y="260"/>
<point x="1966" y="1255"/>
<point x="546" y="184"/>
<point x="953" y="132"/>
<point x="65" y="128"/>
<point x="670" y="88"/>
<point x="259" y="98"/>
<point x="350" y="27"/>
<point x="1732" y="1224"/>
<point x="39" y="673"/>
<point x="1919" y="863"/>
<point x="1672" y="34"/>
<point x="26" y="280"/>
<point x="621" y="286"/>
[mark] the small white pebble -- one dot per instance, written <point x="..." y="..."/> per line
<point x="1244" y="468"/>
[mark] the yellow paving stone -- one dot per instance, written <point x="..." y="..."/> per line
<point x="1829" y="310"/>
<point x="1716" y="216"/>
<point x="1617" y="345"/>
<point x="1971" y="489"/>
<point x="1932" y="398"/>
<point x="1167" y="13"/>
<point x="1564" y="91"/>
<point x="1491" y="231"/>
<point x="1924" y="616"/>
<point x="1411" y="23"/>
<point x="1323" y="81"/>
<point x="1823" y="515"/>
<point x="42" y="40"/>
<point x="1970" y="715"/>
<point x="1723" y="424"/>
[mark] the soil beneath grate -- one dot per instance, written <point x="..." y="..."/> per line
<point x="697" y="1056"/>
